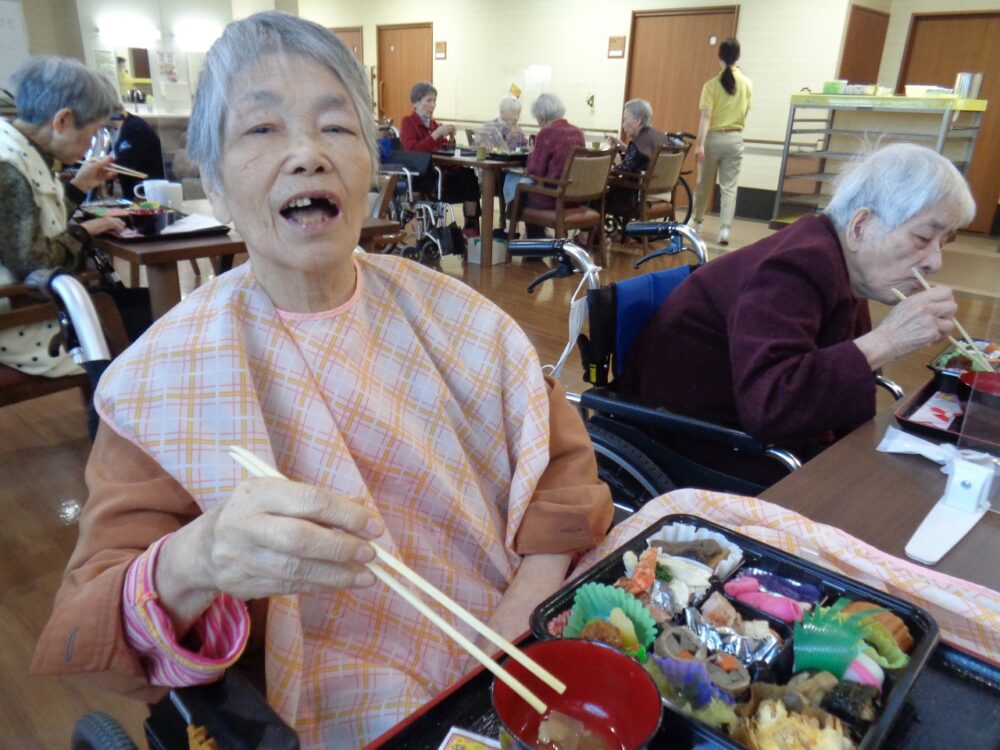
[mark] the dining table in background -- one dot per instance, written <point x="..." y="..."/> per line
<point x="160" y="257"/>
<point x="490" y="171"/>
<point x="881" y="498"/>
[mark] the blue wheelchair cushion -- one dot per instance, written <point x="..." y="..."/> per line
<point x="636" y="300"/>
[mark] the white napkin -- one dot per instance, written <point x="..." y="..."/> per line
<point x="898" y="441"/>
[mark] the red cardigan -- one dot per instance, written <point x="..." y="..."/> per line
<point x="553" y="145"/>
<point x="415" y="136"/>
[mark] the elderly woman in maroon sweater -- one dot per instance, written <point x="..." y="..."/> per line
<point x="419" y="131"/>
<point x="554" y="143"/>
<point x="775" y="338"/>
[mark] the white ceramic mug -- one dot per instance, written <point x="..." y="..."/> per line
<point x="169" y="194"/>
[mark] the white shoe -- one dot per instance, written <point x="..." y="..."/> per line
<point x="696" y="226"/>
<point x="724" y="236"/>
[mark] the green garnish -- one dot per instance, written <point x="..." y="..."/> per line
<point x="663" y="573"/>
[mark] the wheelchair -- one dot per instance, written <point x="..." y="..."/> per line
<point x="430" y="224"/>
<point x="634" y="464"/>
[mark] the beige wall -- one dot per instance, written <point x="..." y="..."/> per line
<point x="787" y="44"/>
<point x="50" y="28"/>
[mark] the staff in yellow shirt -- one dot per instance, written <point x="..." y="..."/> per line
<point x="725" y="101"/>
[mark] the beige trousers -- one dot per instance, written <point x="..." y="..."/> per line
<point x="723" y="150"/>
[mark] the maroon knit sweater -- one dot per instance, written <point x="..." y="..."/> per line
<point x="761" y="339"/>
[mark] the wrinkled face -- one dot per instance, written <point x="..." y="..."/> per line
<point x="630" y="124"/>
<point x="295" y="170"/>
<point x="69" y="143"/>
<point x="425" y="107"/>
<point x="881" y="260"/>
<point x="510" y="118"/>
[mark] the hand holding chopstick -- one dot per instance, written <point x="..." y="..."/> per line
<point x="974" y="352"/>
<point x="112" y="167"/>
<point x="257" y="467"/>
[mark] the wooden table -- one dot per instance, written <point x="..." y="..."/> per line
<point x="882" y="498"/>
<point x="160" y="257"/>
<point x="487" y="187"/>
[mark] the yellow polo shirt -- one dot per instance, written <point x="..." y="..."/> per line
<point x="728" y="112"/>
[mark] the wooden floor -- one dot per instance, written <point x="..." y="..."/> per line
<point x="43" y="448"/>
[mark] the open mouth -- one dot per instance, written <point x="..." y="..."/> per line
<point x="310" y="210"/>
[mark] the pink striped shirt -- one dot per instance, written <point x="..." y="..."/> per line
<point x="221" y="632"/>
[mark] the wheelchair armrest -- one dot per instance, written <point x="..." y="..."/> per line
<point x="609" y="403"/>
<point x="232" y="712"/>
<point x="890" y="385"/>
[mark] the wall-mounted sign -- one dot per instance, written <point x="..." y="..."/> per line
<point x="616" y="46"/>
<point x="440" y="50"/>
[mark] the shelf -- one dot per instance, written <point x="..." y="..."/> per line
<point x="813" y="176"/>
<point x="823" y="154"/>
<point x="953" y="133"/>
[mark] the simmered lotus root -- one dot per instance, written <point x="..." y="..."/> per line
<point x="891" y="622"/>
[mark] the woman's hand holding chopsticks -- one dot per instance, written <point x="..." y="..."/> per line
<point x="270" y="537"/>
<point x="94" y="173"/>
<point x="916" y="321"/>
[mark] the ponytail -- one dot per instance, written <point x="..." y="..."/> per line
<point x="728" y="80"/>
<point x="729" y="53"/>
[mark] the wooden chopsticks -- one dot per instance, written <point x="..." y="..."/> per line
<point x="258" y="468"/>
<point x="973" y="350"/>
<point x="120" y="169"/>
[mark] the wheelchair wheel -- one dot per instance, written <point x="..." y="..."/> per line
<point x="633" y="478"/>
<point x="428" y="251"/>
<point x="412" y="252"/>
<point x="98" y="731"/>
<point x="612" y="225"/>
<point x="683" y="205"/>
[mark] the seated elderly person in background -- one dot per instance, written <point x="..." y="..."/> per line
<point x="60" y="106"/>
<point x="776" y="339"/>
<point x="401" y="406"/>
<point x="504" y="134"/>
<point x="643" y="138"/>
<point x="419" y="131"/>
<point x="554" y="143"/>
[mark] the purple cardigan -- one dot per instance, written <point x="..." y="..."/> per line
<point x="762" y="339"/>
<point x="553" y="145"/>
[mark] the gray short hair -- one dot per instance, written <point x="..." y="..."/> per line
<point x="896" y="183"/>
<point x="640" y="110"/>
<point x="45" y="84"/>
<point x="242" y="45"/>
<point x="509" y="104"/>
<point x="421" y="89"/>
<point x="548" y="107"/>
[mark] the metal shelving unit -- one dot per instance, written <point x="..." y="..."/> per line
<point x="816" y="147"/>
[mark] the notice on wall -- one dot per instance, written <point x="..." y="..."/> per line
<point x="13" y="39"/>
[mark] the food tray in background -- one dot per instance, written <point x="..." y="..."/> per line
<point x="758" y="555"/>
<point x="951" y="362"/>
<point x="946" y="383"/>
<point x="202" y="226"/>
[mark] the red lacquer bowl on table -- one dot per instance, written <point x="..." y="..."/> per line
<point x="609" y="692"/>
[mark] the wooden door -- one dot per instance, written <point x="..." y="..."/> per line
<point x="671" y="56"/>
<point x="943" y="44"/>
<point x="405" y="56"/>
<point x="862" y="53"/>
<point x="353" y="38"/>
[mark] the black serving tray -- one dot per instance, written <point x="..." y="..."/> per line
<point x="756" y="554"/>
<point x="954" y="704"/>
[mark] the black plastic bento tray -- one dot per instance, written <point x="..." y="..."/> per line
<point x="922" y="627"/>
<point x="954" y="704"/>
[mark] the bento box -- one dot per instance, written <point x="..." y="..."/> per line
<point x="747" y="642"/>
<point x="954" y="361"/>
<point x="947" y="409"/>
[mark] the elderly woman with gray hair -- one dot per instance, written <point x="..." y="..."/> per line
<point x="504" y="133"/>
<point x="60" y="106"/>
<point x="637" y="126"/>
<point x="400" y="405"/>
<point x="554" y="143"/>
<point x="419" y="131"/>
<point x="776" y="339"/>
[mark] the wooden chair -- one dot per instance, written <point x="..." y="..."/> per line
<point x="654" y="186"/>
<point x="583" y="181"/>
<point x="379" y="205"/>
<point x="26" y="308"/>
